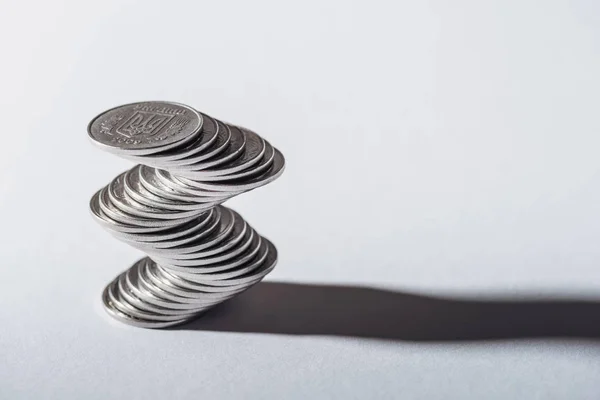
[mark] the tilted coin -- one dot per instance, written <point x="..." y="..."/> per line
<point x="119" y="197"/>
<point x="270" y="175"/>
<point x="228" y="224"/>
<point x="191" y="272"/>
<point x="136" y="190"/>
<point x="122" y="304"/>
<point x="218" y="146"/>
<point x="129" y="219"/>
<point x="186" y="299"/>
<point x="117" y="309"/>
<point x="162" y="183"/>
<point x="245" y="174"/>
<point x="145" y="128"/>
<point x="253" y="153"/>
<point x="144" y="295"/>
<point x="234" y="150"/>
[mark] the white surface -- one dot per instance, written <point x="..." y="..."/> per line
<point x="435" y="148"/>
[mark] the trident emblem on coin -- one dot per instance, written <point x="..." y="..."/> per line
<point x="143" y="123"/>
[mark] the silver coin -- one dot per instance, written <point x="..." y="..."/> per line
<point x="170" y="283"/>
<point x="208" y="143"/>
<point x="165" y="296"/>
<point x="207" y="257"/>
<point x="116" y="226"/>
<point x="179" y="234"/>
<point x="229" y="222"/>
<point x="201" y="287"/>
<point x="217" y="147"/>
<point x="210" y="134"/>
<point x="207" y="228"/>
<point x="109" y="306"/>
<point x="234" y="150"/>
<point x="145" y="128"/>
<point x="118" y="196"/>
<point x="254" y="275"/>
<point x="171" y="180"/>
<point x="166" y="289"/>
<point x="136" y="190"/>
<point x="270" y="175"/>
<point x="139" y="297"/>
<point x="129" y="219"/>
<point x="183" y="287"/>
<point x="253" y="153"/>
<point x="144" y="234"/>
<point x="149" y="297"/>
<point x="245" y="280"/>
<point x="248" y="173"/>
<point x="228" y="245"/>
<point x="122" y="304"/>
<point x="162" y="183"/>
<point x="132" y="288"/>
<point x="244" y="269"/>
<point x="149" y="179"/>
<point x="244" y="257"/>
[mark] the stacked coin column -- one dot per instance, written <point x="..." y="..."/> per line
<point x="200" y="253"/>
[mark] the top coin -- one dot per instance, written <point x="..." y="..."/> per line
<point x="145" y="128"/>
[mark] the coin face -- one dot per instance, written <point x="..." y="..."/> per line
<point x="145" y="128"/>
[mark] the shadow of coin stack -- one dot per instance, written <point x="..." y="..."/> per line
<point x="200" y="253"/>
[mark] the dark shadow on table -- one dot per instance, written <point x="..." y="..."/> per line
<point x="353" y="311"/>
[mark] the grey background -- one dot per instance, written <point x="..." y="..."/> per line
<point x="443" y="154"/>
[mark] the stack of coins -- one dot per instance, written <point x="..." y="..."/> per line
<point x="200" y="253"/>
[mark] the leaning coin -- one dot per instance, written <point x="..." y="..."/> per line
<point x="179" y="234"/>
<point x="115" y="225"/>
<point x="254" y="275"/>
<point x="170" y="291"/>
<point x="233" y="151"/>
<point x="137" y="191"/>
<point x="219" y="243"/>
<point x="244" y="257"/>
<point x="145" y="128"/>
<point x="217" y="289"/>
<point x="123" y="305"/>
<point x="203" y="143"/>
<point x="141" y="295"/>
<point x="245" y="269"/>
<point x="137" y="299"/>
<point x="149" y="179"/>
<point x="253" y="153"/>
<point x="207" y="228"/>
<point x="162" y="183"/>
<point x="217" y="147"/>
<point x="169" y="298"/>
<point x="208" y="257"/>
<point x="248" y="173"/>
<point x="173" y="181"/>
<point x="130" y="290"/>
<point x="229" y="223"/>
<point x="129" y="319"/>
<point x="118" y="196"/>
<point x="180" y="294"/>
<point x="129" y="219"/>
<point x="270" y="175"/>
